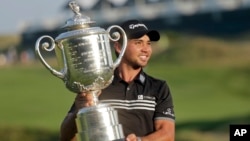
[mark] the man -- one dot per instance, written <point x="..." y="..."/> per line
<point x="144" y="104"/>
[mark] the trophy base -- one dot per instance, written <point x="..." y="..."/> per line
<point x="107" y="133"/>
<point x="119" y="140"/>
<point x="98" y="123"/>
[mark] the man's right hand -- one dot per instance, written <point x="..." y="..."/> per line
<point x="85" y="99"/>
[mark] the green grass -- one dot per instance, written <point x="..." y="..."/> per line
<point x="32" y="97"/>
<point x="207" y="99"/>
<point x="206" y="93"/>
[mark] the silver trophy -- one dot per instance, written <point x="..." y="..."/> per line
<point x="86" y="65"/>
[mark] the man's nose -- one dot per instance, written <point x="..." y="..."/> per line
<point x="145" y="47"/>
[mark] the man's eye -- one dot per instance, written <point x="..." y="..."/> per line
<point x="138" y="43"/>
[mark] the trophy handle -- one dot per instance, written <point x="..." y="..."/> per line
<point x="47" y="47"/>
<point x="115" y="37"/>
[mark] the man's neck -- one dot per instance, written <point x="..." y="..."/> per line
<point x="127" y="73"/>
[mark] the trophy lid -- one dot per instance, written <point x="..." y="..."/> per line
<point x="78" y="25"/>
<point x="78" y="21"/>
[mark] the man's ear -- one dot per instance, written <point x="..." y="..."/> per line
<point x="117" y="47"/>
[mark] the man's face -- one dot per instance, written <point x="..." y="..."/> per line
<point x="138" y="52"/>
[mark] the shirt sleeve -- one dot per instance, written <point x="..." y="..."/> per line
<point x="164" y="103"/>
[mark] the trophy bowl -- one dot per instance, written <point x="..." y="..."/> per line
<point x="84" y="56"/>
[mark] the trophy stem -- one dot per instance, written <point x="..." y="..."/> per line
<point x="95" y="97"/>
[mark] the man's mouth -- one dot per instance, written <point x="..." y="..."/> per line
<point x="143" y="57"/>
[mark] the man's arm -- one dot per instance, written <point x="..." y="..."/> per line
<point x="68" y="128"/>
<point x="165" y="131"/>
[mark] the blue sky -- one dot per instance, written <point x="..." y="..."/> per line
<point x="16" y="13"/>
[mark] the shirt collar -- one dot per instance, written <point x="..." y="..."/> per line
<point x="141" y="78"/>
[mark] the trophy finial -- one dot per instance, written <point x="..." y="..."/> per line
<point x="78" y="21"/>
<point x="75" y="8"/>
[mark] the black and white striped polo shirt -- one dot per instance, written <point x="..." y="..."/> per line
<point x="139" y="103"/>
